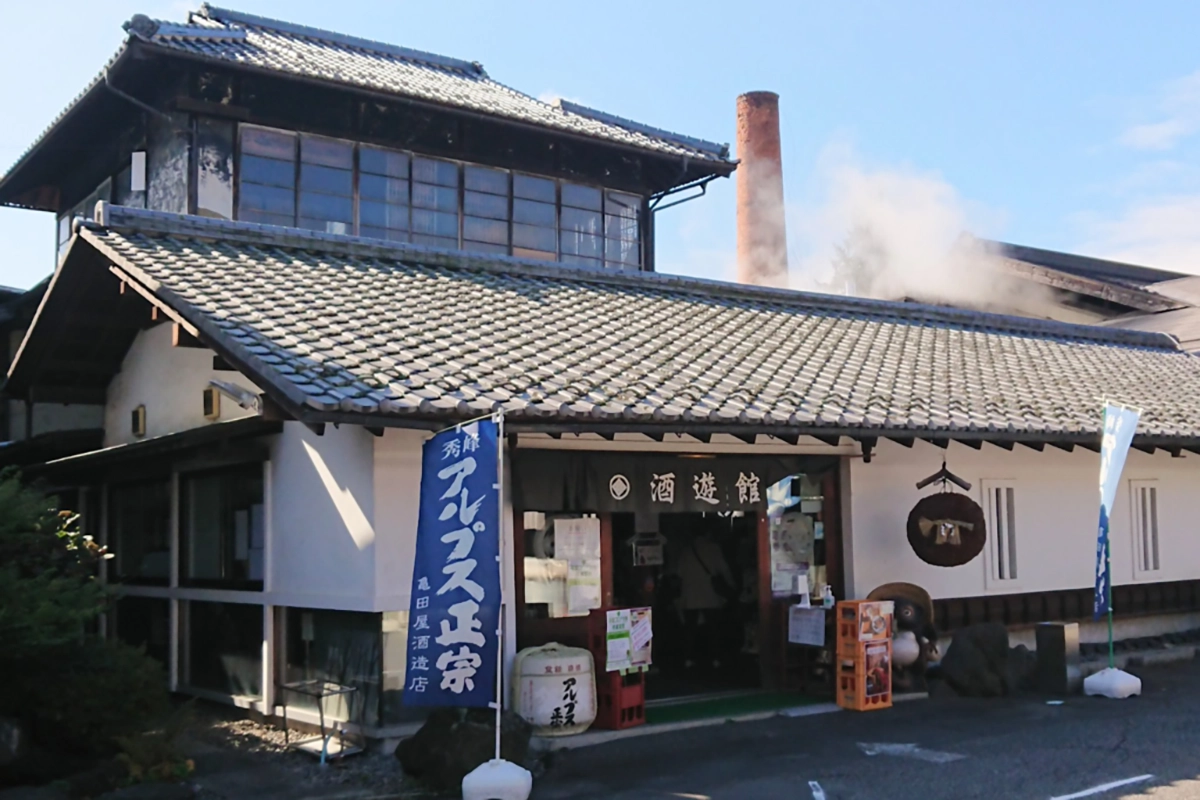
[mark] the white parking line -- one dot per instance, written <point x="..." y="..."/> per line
<point x="1104" y="787"/>
<point x="817" y="791"/>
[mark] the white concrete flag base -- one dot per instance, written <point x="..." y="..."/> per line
<point x="1114" y="683"/>
<point x="497" y="780"/>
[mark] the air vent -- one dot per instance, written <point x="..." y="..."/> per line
<point x="212" y="403"/>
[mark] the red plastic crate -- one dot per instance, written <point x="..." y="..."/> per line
<point x="620" y="700"/>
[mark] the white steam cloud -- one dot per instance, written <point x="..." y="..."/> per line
<point x="889" y="233"/>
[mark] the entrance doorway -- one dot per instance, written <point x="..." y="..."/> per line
<point x="700" y="573"/>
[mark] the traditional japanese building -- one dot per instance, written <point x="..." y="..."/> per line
<point x="296" y="254"/>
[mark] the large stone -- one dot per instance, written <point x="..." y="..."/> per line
<point x="454" y="741"/>
<point x="976" y="663"/>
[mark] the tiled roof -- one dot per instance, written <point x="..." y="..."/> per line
<point x="256" y="42"/>
<point x="340" y="324"/>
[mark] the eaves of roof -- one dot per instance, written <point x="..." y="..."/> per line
<point x="339" y="329"/>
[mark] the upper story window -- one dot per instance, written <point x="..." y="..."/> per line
<point x="337" y="186"/>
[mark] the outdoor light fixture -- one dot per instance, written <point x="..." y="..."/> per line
<point x="243" y="397"/>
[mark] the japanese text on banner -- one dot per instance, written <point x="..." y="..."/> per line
<point x="455" y="606"/>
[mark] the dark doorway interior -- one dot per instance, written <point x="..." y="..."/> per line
<point x="704" y="594"/>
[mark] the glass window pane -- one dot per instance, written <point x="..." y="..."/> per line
<point x="485" y="230"/>
<point x="435" y="241"/>
<point x="533" y="213"/>
<point x="272" y="199"/>
<point x="343" y="647"/>
<point x="267" y="142"/>
<point x="580" y="196"/>
<point x="483" y="179"/>
<point x="263" y="218"/>
<point x="626" y="205"/>
<point x="269" y="171"/>
<point x="621" y="250"/>
<point x="326" y="179"/>
<point x="579" y="221"/>
<point x="620" y="228"/>
<point x="221" y="530"/>
<point x="541" y="255"/>
<point x="484" y="247"/>
<point x="532" y="188"/>
<point x="438" y="197"/>
<point x="224" y="647"/>
<point x="139" y="523"/>
<point x="382" y="215"/>
<point x="435" y="223"/>
<point x="534" y="238"/>
<point x="485" y="205"/>
<point x="377" y="187"/>
<point x="329" y="152"/>
<point x="378" y="161"/>
<point x="390" y="234"/>
<point x="326" y="206"/>
<point x="581" y="244"/>
<point x="431" y="170"/>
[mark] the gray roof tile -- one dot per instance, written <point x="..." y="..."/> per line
<point x="257" y="42"/>
<point x="547" y="342"/>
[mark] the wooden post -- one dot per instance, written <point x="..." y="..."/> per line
<point x="768" y="631"/>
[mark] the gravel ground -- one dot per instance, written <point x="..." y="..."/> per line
<point x="233" y="755"/>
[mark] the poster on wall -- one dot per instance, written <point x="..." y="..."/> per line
<point x="629" y="637"/>
<point x="641" y="637"/>
<point x="577" y="541"/>
<point x="806" y="626"/>
<point x="617" y="640"/>
<point x="792" y="539"/>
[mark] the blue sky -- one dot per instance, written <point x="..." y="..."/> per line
<point x="1065" y="125"/>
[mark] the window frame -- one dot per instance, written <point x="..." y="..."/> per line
<point x="1147" y="553"/>
<point x="1002" y="551"/>
<point x="231" y="584"/>
<point x="463" y="243"/>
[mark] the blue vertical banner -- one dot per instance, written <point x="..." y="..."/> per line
<point x="454" y="614"/>
<point x="1119" y="426"/>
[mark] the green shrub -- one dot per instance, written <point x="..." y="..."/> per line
<point x="78" y="693"/>
<point x="88" y="695"/>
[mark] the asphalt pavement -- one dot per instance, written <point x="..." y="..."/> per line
<point x="944" y="747"/>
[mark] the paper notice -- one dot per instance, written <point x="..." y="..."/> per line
<point x="577" y="539"/>
<point x="583" y="586"/>
<point x="618" y="653"/>
<point x="641" y="634"/>
<point x="806" y="626"/>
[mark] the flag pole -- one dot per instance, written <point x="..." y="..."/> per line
<point x="1112" y="661"/>
<point x="500" y="445"/>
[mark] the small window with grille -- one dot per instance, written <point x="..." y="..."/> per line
<point x="1147" y="561"/>
<point x="1000" y="512"/>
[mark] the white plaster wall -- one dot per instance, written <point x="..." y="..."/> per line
<point x="397" y="488"/>
<point x="323" y="545"/>
<point x="1057" y="510"/>
<point x="170" y="382"/>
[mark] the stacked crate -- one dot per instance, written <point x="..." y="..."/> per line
<point x="864" y="654"/>
<point x="620" y="697"/>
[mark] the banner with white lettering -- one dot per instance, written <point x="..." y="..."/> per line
<point x="455" y="609"/>
<point x="1119" y="426"/>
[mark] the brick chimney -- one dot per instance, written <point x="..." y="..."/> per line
<point x="761" y="234"/>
